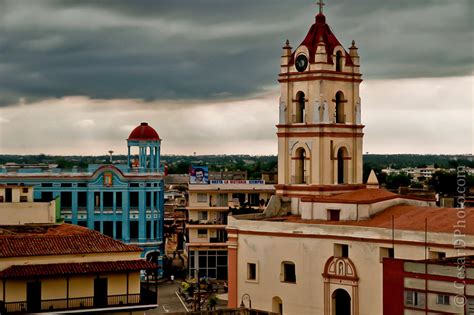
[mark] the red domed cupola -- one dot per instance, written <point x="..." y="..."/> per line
<point x="321" y="33"/>
<point x="144" y="132"/>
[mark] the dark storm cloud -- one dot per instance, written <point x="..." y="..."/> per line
<point x="157" y="50"/>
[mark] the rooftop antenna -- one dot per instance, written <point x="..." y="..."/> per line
<point x="110" y="153"/>
<point x="320" y="3"/>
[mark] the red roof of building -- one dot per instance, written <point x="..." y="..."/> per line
<point x="144" y="132"/>
<point x="45" y="270"/>
<point x="56" y="239"/>
<point x="440" y="220"/>
<point x="360" y="196"/>
<point x="320" y="30"/>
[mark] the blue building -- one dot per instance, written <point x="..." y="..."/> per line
<point x="123" y="201"/>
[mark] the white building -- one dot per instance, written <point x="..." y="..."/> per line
<point x="318" y="247"/>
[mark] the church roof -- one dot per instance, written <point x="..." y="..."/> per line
<point x="320" y="30"/>
<point x="411" y="218"/>
<point x="144" y="132"/>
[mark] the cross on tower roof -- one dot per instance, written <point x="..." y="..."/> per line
<point x="320" y="3"/>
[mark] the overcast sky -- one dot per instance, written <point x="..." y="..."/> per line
<point x="77" y="76"/>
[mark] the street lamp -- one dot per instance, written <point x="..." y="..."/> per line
<point x="246" y="297"/>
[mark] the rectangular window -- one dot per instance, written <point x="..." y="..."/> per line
<point x="222" y="200"/>
<point x="133" y="229"/>
<point x="82" y="199"/>
<point x="134" y="199"/>
<point x="82" y="185"/>
<point x="108" y="199"/>
<point x="386" y="252"/>
<point x="108" y="228"/>
<point x="254" y="200"/>
<point x="341" y="250"/>
<point x="201" y="197"/>
<point x="118" y="200"/>
<point x="118" y="230"/>
<point x="23" y="198"/>
<point x="148" y="199"/>
<point x="414" y="299"/>
<point x="251" y="271"/>
<point x="442" y="299"/>
<point x="66" y="199"/>
<point x="202" y="233"/>
<point x="289" y="272"/>
<point x="202" y="215"/>
<point x="437" y="255"/>
<point x="66" y="185"/>
<point x="25" y="190"/>
<point x="334" y="215"/>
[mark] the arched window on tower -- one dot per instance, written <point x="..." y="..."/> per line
<point x="299" y="116"/>
<point x="300" y="174"/>
<point x="342" y="167"/>
<point x="340" y="116"/>
<point x="339" y="61"/>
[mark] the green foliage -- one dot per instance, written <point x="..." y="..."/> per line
<point x="394" y="181"/>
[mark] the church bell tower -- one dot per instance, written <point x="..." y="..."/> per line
<point x="319" y="130"/>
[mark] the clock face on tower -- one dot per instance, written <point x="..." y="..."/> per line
<point x="301" y="63"/>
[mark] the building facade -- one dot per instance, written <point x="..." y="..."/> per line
<point x="209" y="206"/>
<point x="66" y="268"/>
<point x="17" y="206"/>
<point x="319" y="246"/>
<point x="434" y="286"/>
<point x="121" y="201"/>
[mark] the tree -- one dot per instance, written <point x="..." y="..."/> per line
<point x="396" y="180"/>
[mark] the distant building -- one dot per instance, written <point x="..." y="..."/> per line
<point x="123" y="201"/>
<point x="434" y="286"/>
<point x="227" y="175"/>
<point x="208" y="208"/>
<point x="18" y="207"/>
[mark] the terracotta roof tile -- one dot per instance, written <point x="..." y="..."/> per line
<point x="360" y="196"/>
<point x="63" y="239"/>
<point x="45" y="270"/>
<point x="440" y="220"/>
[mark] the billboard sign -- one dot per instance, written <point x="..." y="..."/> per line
<point x="199" y="175"/>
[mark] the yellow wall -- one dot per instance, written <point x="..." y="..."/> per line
<point x="27" y="212"/>
<point x="79" y="286"/>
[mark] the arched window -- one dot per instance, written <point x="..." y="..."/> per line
<point x="340" y="116"/>
<point x="277" y="305"/>
<point x="300" y="108"/>
<point x="341" y="166"/>
<point x="300" y="174"/>
<point x="339" y="61"/>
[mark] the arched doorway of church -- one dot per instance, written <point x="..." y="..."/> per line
<point x="277" y="305"/>
<point x="300" y="174"/>
<point x="341" y="166"/>
<point x="341" y="302"/>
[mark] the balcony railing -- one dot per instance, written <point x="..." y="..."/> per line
<point x="144" y="298"/>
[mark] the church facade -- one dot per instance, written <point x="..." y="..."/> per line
<point x="320" y="245"/>
<point x="123" y="201"/>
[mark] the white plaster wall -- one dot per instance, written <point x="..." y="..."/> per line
<point x="310" y="255"/>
